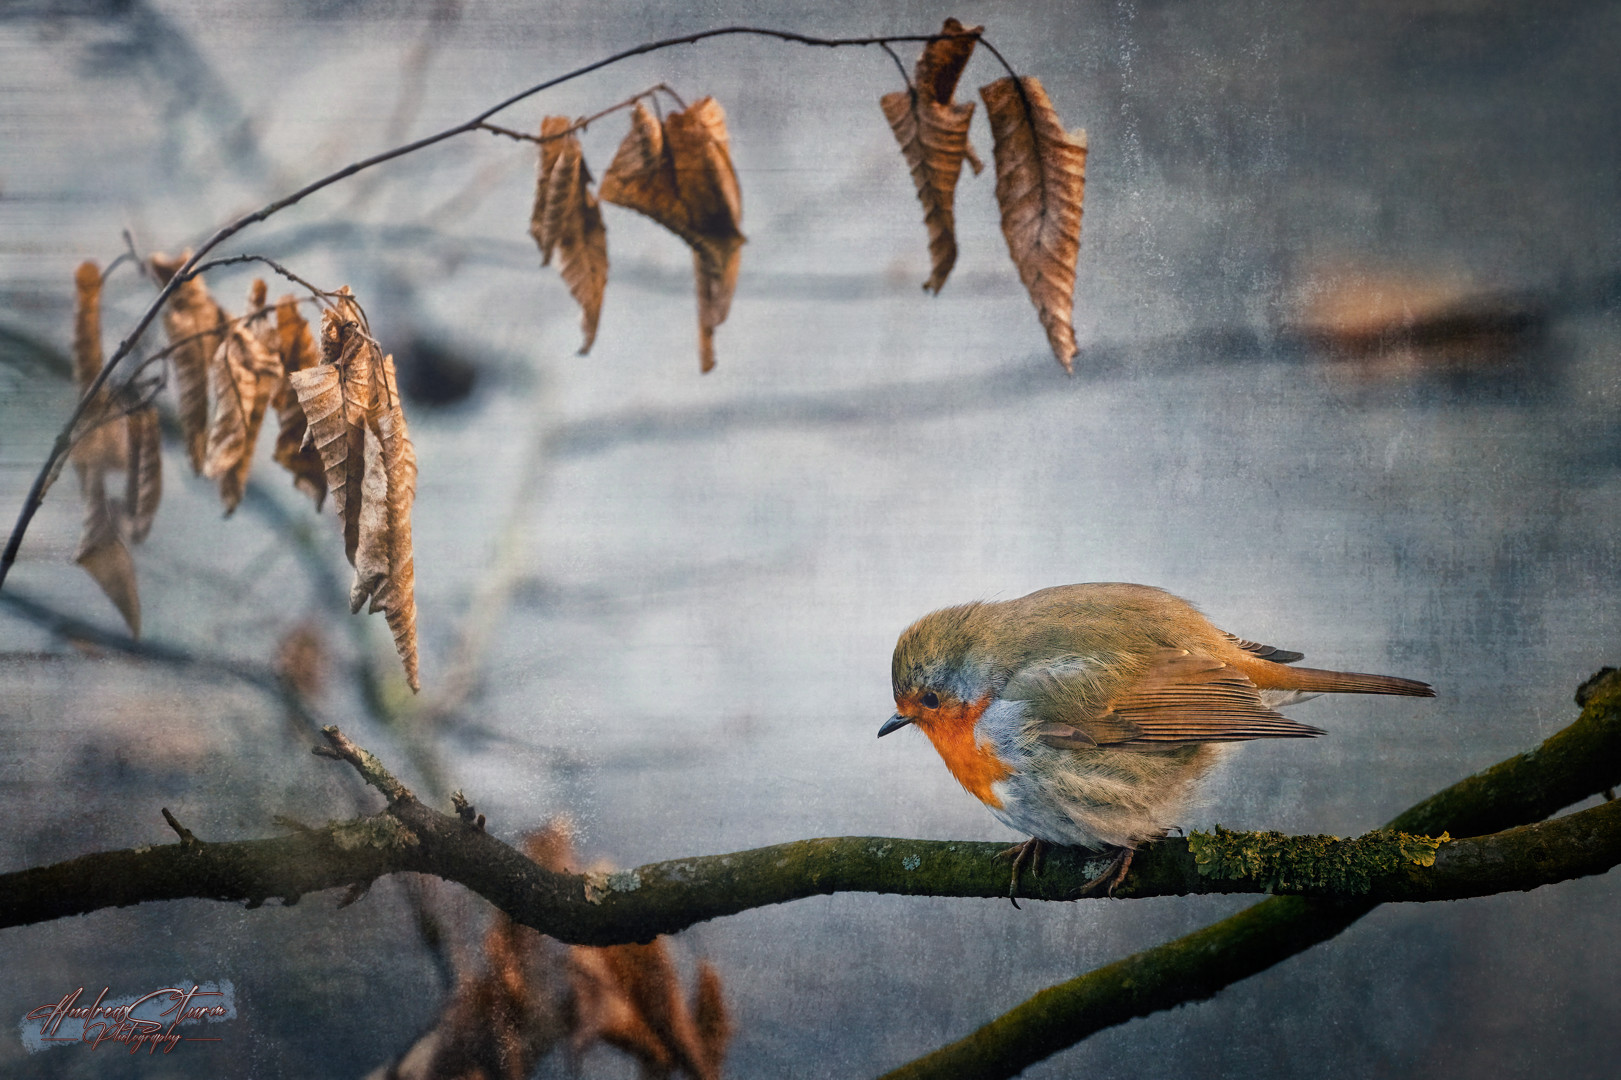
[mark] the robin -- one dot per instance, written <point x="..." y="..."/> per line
<point x="1086" y="714"/>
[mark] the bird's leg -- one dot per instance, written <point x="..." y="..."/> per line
<point x="1028" y="854"/>
<point x="1112" y="875"/>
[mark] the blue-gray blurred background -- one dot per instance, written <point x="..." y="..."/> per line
<point x="663" y="604"/>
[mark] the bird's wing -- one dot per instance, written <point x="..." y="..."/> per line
<point x="1265" y="652"/>
<point x="1183" y="697"/>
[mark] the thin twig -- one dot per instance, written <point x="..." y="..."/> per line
<point x="321" y="295"/>
<point x="905" y="75"/>
<point x="584" y="122"/>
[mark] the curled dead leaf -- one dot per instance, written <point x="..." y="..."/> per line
<point x="99" y="435"/>
<point x="242" y="376"/>
<point x="295" y="347"/>
<point x="196" y="326"/>
<point x="143" y="478"/>
<point x="680" y="174"/>
<point x="1040" y="184"/>
<point x="397" y="456"/>
<point x="933" y="134"/>
<point x="335" y="397"/>
<point x="567" y="220"/>
<point x="102" y="552"/>
<point x="351" y="403"/>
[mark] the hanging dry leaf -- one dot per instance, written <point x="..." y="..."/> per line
<point x="680" y="174"/>
<point x="933" y="134"/>
<point x="102" y="552"/>
<point x="351" y="401"/>
<point x="1040" y="182"/>
<point x="335" y="397"/>
<point x="99" y="435"/>
<point x="296" y="348"/>
<point x="196" y="326"/>
<point x="144" y="474"/>
<point x="397" y="596"/>
<point x="241" y="378"/>
<point x="567" y="219"/>
<point x="371" y="554"/>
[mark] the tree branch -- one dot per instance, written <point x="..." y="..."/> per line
<point x="1572" y="765"/>
<point x="636" y="905"/>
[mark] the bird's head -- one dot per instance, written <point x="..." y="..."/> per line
<point x="942" y="673"/>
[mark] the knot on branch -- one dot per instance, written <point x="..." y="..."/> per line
<point x="187" y="840"/>
<point x="1310" y="863"/>
<point x="464" y="810"/>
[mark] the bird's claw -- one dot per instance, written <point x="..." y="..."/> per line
<point x="1028" y="854"/>
<point x="1112" y="875"/>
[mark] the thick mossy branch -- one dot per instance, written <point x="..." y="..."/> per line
<point x="636" y="905"/>
<point x="1286" y="864"/>
<point x="1580" y="761"/>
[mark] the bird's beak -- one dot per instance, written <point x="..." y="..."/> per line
<point x="894" y="723"/>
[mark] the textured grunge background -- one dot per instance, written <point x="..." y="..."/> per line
<point x="681" y="593"/>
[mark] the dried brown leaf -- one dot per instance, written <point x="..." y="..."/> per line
<point x="941" y="63"/>
<point x="933" y="134"/>
<point x="371" y="553"/>
<point x="1040" y="183"/>
<point x="301" y="659"/>
<point x="934" y="140"/>
<point x="102" y="552"/>
<point x="241" y="378"/>
<point x="196" y="327"/>
<point x="99" y="435"/>
<point x="295" y="346"/>
<point x="680" y="174"/>
<point x="566" y="219"/>
<point x="715" y="1028"/>
<point x="397" y="598"/>
<point x="336" y="396"/>
<point x="143" y="479"/>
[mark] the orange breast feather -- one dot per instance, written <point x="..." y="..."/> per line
<point x="973" y="763"/>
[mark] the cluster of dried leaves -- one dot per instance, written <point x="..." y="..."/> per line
<point x="1040" y="174"/>
<point x="534" y="995"/>
<point x="340" y="428"/>
<point x="678" y="171"/>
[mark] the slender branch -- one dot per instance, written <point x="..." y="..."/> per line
<point x="584" y="122"/>
<point x="63" y="443"/>
<point x="319" y="295"/>
<point x="1574" y="764"/>
<point x="636" y="905"/>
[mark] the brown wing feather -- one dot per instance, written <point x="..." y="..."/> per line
<point x="1265" y="652"/>
<point x="1186" y="697"/>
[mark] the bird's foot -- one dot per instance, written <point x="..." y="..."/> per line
<point x="1028" y="854"/>
<point x="1106" y="883"/>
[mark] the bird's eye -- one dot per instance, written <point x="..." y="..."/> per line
<point x="931" y="700"/>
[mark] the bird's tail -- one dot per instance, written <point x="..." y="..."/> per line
<point x="1270" y="676"/>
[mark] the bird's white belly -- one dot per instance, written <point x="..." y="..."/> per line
<point x="1089" y="798"/>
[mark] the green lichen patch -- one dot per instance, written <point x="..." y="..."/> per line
<point x="1310" y="863"/>
<point x="380" y="831"/>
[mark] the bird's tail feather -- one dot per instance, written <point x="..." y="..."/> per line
<point x="1320" y="681"/>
